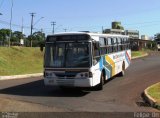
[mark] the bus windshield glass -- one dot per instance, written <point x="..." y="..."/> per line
<point x="67" y="55"/>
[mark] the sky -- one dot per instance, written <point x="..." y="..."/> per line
<point x="82" y="15"/>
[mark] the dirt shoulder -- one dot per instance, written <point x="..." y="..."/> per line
<point x="8" y="105"/>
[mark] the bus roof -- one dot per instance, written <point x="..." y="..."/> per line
<point x="89" y="33"/>
<point x="94" y="36"/>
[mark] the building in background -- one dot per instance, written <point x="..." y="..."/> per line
<point x="134" y="34"/>
<point x="145" y="37"/>
<point x="114" y="31"/>
<point x="135" y="41"/>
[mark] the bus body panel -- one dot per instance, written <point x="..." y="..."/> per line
<point x="112" y="64"/>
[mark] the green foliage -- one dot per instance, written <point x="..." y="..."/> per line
<point x="151" y="45"/>
<point x="36" y="38"/>
<point x="4" y="33"/>
<point x="16" y="36"/>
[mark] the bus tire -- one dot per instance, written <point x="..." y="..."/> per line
<point x="100" y="85"/>
<point x="122" y="73"/>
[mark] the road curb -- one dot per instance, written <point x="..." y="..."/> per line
<point x="140" y="56"/>
<point x="149" y="99"/>
<point x="20" y="76"/>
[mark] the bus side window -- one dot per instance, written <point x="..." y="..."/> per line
<point x="102" y="41"/>
<point x="119" y="44"/>
<point x="123" y="44"/>
<point x="128" y="43"/>
<point x="106" y="46"/>
<point x="103" y="51"/>
<point x="102" y="46"/>
<point x="114" y="44"/>
<point x="109" y="45"/>
<point x="96" y="55"/>
<point x="106" y="42"/>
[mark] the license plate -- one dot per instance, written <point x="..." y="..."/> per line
<point x="51" y="81"/>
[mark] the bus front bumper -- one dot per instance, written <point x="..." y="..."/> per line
<point x="86" y="82"/>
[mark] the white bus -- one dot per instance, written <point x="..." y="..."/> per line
<point x="82" y="59"/>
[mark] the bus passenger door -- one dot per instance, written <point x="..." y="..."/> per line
<point x="96" y="62"/>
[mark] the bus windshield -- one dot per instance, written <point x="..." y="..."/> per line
<point x="67" y="55"/>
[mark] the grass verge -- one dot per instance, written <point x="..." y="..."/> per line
<point x="20" y="60"/>
<point x="154" y="91"/>
<point x="138" y="53"/>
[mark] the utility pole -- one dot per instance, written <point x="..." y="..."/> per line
<point x="32" y="15"/>
<point x="53" y="24"/>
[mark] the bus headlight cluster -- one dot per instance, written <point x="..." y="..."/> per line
<point x="84" y="75"/>
<point x="49" y="74"/>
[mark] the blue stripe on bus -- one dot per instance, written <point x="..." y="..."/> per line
<point x="108" y="73"/>
<point x="101" y="64"/>
<point x="105" y="65"/>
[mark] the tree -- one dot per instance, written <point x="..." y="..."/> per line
<point x="16" y="36"/>
<point x="36" y="38"/>
<point x="4" y="35"/>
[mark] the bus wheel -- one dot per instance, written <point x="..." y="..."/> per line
<point x="123" y="69"/>
<point x="100" y="85"/>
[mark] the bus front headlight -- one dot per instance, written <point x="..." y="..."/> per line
<point x="84" y="75"/>
<point x="49" y="74"/>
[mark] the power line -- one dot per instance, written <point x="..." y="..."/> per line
<point x="16" y="25"/>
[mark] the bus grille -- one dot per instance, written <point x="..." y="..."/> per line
<point x="64" y="82"/>
<point x="66" y="75"/>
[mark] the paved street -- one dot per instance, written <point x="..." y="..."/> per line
<point x="121" y="94"/>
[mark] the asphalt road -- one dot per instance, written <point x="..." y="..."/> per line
<point x="120" y="94"/>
